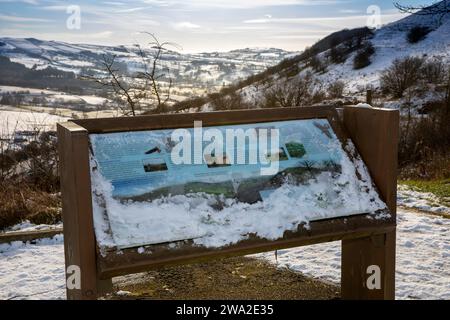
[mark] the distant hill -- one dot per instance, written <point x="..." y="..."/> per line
<point x="333" y="58"/>
<point x="202" y="70"/>
<point x="16" y="74"/>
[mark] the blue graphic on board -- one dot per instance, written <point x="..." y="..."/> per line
<point x="139" y="164"/>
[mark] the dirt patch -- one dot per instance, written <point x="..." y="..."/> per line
<point x="234" y="278"/>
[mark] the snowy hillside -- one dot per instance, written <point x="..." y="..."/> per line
<point x="388" y="43"/>
<point x="214" y="68"/>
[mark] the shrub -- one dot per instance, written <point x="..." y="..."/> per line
<point x="291" y="93"/>
<point x="434" y="71"/>
<point x="35" y="164"/>
<point x="336" y="89"/>
<point x="362" y="57"/>
<point x="232" y="101"/>
<point x="337" y="55"/>
<point x="402" y="74"/>
<point x="318" y="96"/>
<point x="29" y="179"/>
<point x="417" y="33"/>
<point x="425" y="143"/>
<point x="317" y="64"/>
<point x="19" y="202"/>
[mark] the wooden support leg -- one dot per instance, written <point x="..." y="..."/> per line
<point x="375" y="133"/>
<point x="79" y="239"/>
<point x="368" y="267"/>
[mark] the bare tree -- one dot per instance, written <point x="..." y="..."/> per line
<point x="336" y="89"/>
<point x="152" y="74"/>
<point x="291" y="93"/>
<point x="122" y="87"/>
<point x="401" y="75"/>
<point x="446" y="92"/>
<point x="440" y="8"/>
<point x="135" y="91"/>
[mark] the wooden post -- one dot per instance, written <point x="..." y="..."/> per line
<point x="79" y="238"/>
<point x="369" y="96"/>
<point x="375" y="134"/>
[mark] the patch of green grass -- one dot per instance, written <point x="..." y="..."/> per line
<point x="440" y="188"/>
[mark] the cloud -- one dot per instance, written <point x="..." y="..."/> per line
<point x="185" y="25"/>
<point x="33" y="2"/>
<point x="114" y="3"/>
<point x="100" y="35"/>
<point x="54" y="8"/>
<point x="10" y="18"/>
<point x="97" y="38"/>
<point x="298" y="36"/>
<point x="159" y="3"/>
<point x="239" y="4"/>
<point x="349" y="11"/>
<point x="129" y="10"/>
<point x="337" y="21"/>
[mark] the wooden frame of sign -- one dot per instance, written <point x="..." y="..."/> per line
<point x="365" y="242"/>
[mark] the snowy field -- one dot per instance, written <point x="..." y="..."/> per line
<point x="11" y="121"/>
<point x="423" y="201"/>
<point x="423" y="258"/>
<point x="36" y="271"/>
<point x="32" y="271"/>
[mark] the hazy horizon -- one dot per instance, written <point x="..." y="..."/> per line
<point x="196" y="25"/>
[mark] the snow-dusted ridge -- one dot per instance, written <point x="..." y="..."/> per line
<point x="199" y="68"/>
<point x="390" y="43"/>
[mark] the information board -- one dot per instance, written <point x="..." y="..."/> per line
<point x="219" y="185"/>
<point x="150" y="191"/>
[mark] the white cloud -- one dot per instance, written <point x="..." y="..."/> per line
<point x="158" y="3"/>
<point x="21" y="19"/>
<point x="239" y="4"/>
<point x="113" y="3"/>
<point x="337" y="22"/>
<point x="298" y="36"/>
<point x="185" y="25"/>
<point x="129" y="10"/>
<point x="349" y="11"/>
<point x="100" y="35"/>
<point x="33" y="2"/>
<point x="54" y="8"/>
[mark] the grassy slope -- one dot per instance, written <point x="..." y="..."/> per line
<point x="440" y="188"/>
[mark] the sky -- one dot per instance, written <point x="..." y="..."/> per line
<point x="194" y="25"/>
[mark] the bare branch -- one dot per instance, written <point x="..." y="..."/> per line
<point x="146" y="82"/>
<point x="439" y="9"/>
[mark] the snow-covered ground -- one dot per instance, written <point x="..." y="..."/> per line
<point x="424" y="201"/>
<point x="27" y="226"/>
<point x="12" y="121"/>
<point x="32" y="271"/>
<point x="423" y="257"/>
<point x="36" y="271"/>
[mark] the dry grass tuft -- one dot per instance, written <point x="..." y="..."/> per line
<point x="18" y="203"/>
